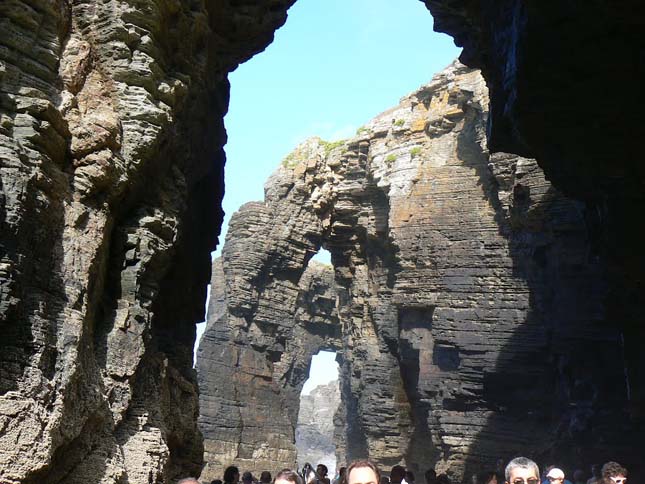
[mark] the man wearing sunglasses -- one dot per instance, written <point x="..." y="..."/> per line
<point x="522" y="470"/>
<point x="614" y="473"/>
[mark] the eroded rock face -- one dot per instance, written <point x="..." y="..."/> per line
<point x="555" y="73"/>
<point x="471" y="308"/>
<point x="250" y="375"/>
<point x="111" y="171"/>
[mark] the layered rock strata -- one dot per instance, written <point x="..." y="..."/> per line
<point x="111" y="166"/>
<point x="315" y="441"/>
<point x="106" y="109"/>
<point x="555" y="71"/>
<point x="471" y="306"/>
<point x="255" y="353"/>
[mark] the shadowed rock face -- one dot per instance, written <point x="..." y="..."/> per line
<point x="470" y="306"/>
<point x="111" y="166"/>
<point x="558" y="74"/>
<point x="250" y="375"/>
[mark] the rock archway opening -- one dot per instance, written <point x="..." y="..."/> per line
<point x="319" y="403"/>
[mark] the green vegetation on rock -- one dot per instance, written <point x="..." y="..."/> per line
<point x="291" y="160"/>
<point x="328" y="146"/>
<point x="399" y="122"/>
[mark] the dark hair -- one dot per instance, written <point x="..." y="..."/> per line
<point x="247" y="477"/>
<point x="409" y="474"/>
<point x="613" y="469"/>
<point x="265" y="476"/>
<point x="358" y="464"/>
<point x="485" y="477"/>
<point x="216" y="481"/>
<point x="396" y="472"/>
<point x="230" y="472"/>
<point x="342" y="471"/>
<point x="443" y="479"/>
<point x="579" y="475"/>
<point x="430" y="475"/>
<point x="288" y="475"/>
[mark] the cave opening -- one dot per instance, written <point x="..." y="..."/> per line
<point x="319" y="403"/>
<point x="287" y="93"/>
<point x="435" y="396"/>
<point x="510" y="345"/>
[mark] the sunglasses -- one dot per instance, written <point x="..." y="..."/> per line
<point x="618" y="480"/>
<point x="530" y="480"/>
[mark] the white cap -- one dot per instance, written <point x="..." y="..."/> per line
<point x="556" y="473"/>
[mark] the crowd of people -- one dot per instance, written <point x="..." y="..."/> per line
<point x="520" y="470"/>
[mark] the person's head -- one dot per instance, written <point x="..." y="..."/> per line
<point x="397" y="474"/>
<point x="489" y="477"/>
<point x="231" y="474"/>
<point x="188" y="480"/>
<point x="363" y="472"/>
<point x="321" y="470"/>
<point x="216" y="481"/>
<point x="247" y="477"/>
<point x="409" y="476"/>
<point x="555" y="475"/>
<point x="287" y="476"/>
<point x="578" y="475"/>
<point x="522" y="470"/>
<point x="265" y="477"/>
<point x="384" y="480"/>
<point x="308" y="474"/>
<point x="443" y="479"/>
<point x="613" y="473"/>
<point x="342" y="472"/>
<point x="430" y="476"/>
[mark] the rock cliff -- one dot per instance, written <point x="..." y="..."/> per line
<point x="110" y="175"/>
<point x="255" y="353"/>
<point x="111" y="164"/>
<point x="315" y="441"/>
<point x="471" y="314"/>
<point x="556" y="72"/>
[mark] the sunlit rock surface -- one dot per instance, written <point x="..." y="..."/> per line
<point x="470" y="302"/>
<point x="315" y="431"/>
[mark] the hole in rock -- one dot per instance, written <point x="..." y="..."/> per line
<point x="319" y="401"/>
<point x="323" y="256"/>
<point x="332" y="68"/>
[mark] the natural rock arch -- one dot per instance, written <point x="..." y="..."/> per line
<point x="466" y="322"/>
<point x="112" y="140"/>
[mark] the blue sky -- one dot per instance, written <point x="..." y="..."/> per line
<point x="332" y="67"/>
